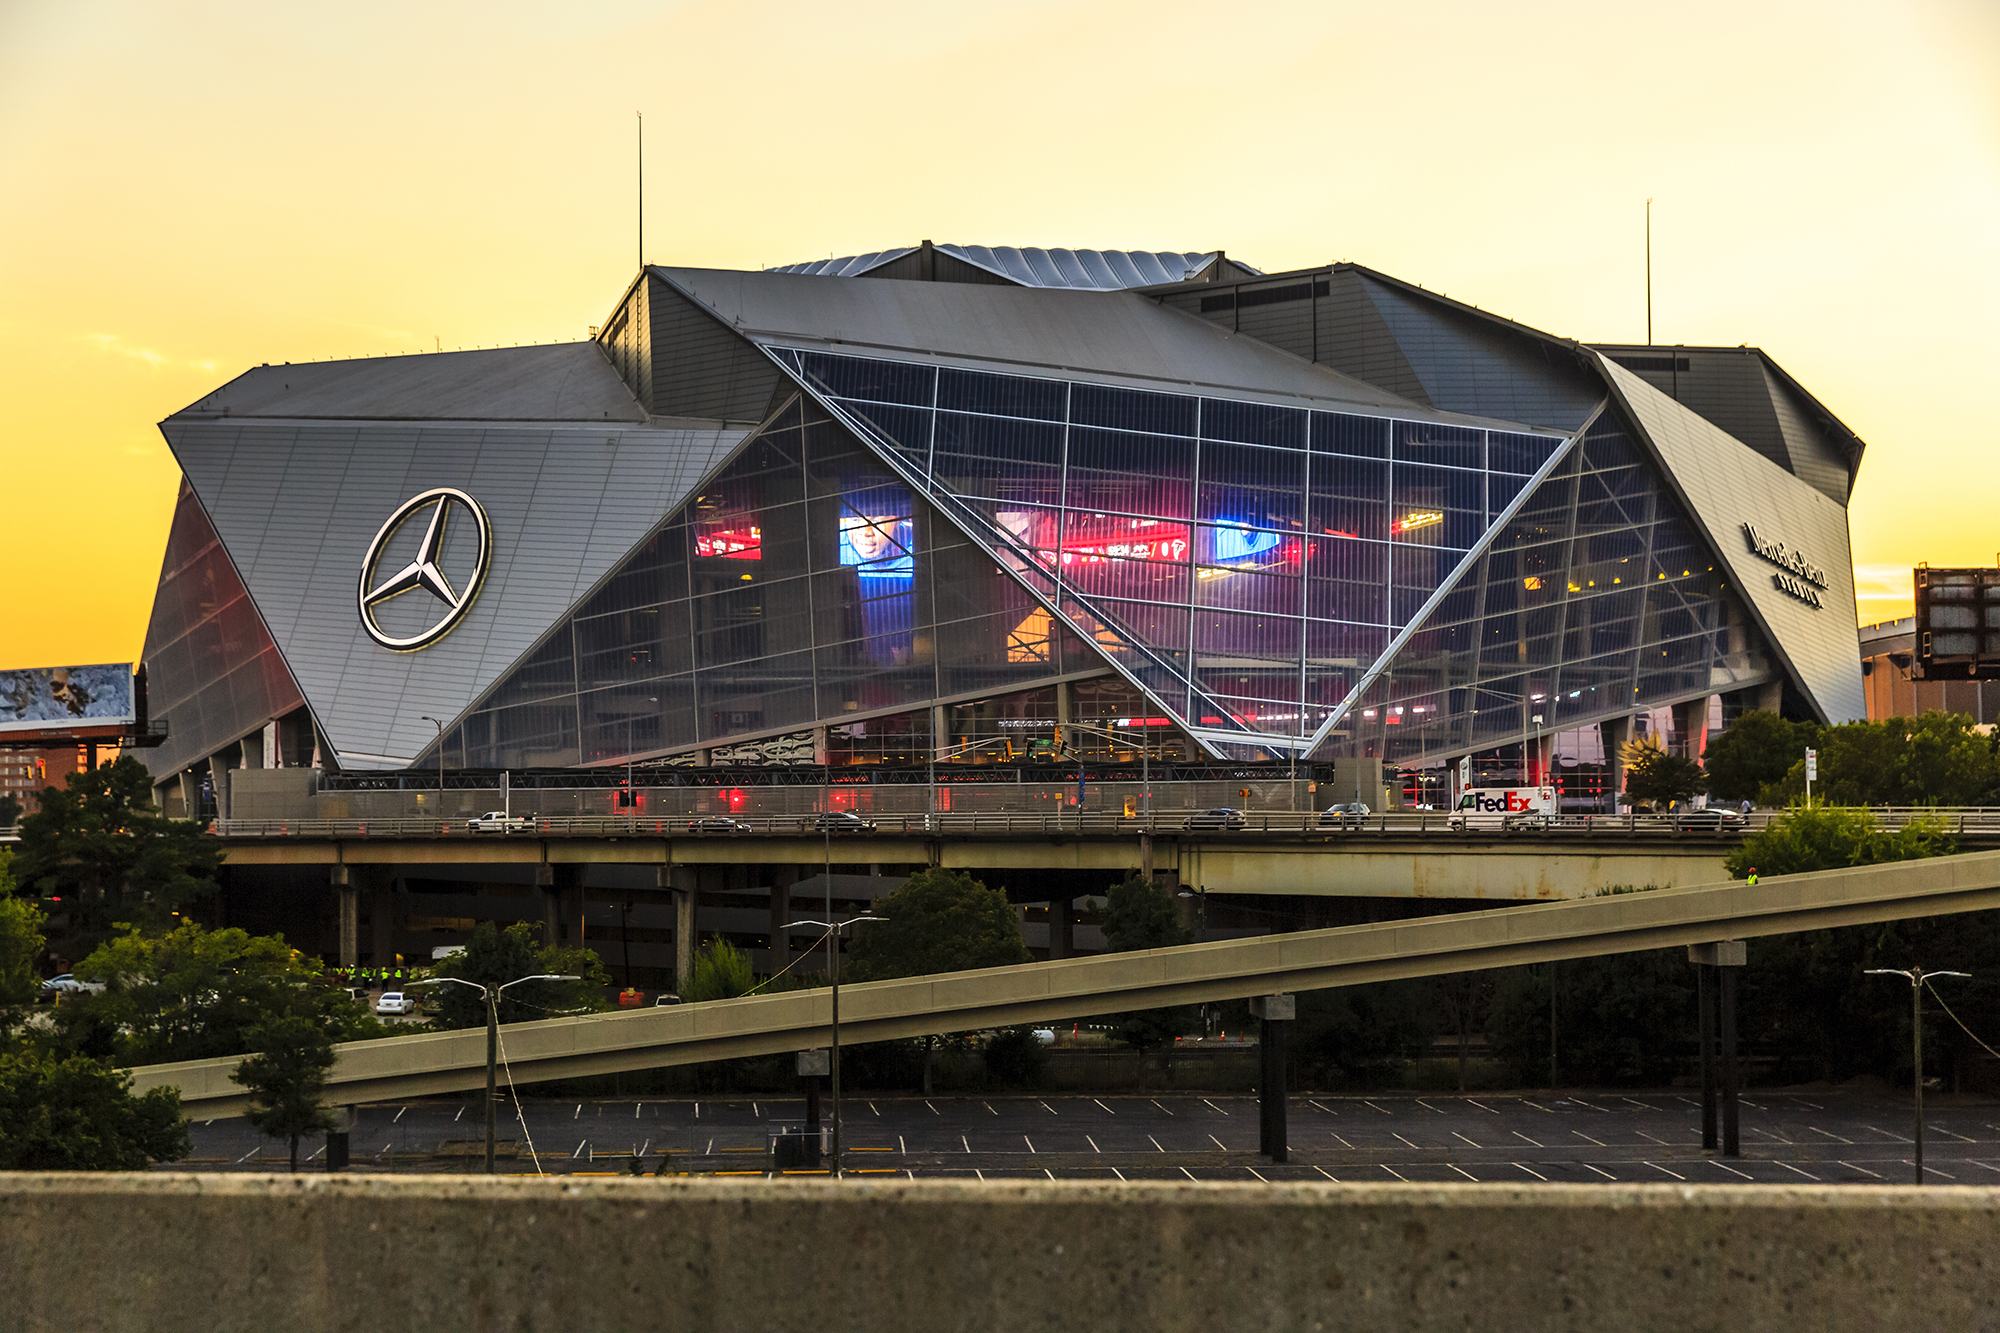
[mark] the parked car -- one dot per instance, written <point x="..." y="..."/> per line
<point x="841" y="821"/>
<point x="717" y="824"/>
<point x="499" y="821"/>
<point x="395" y="1004"/>
<point x="668" y="999"/>
<point x="1348" y="814"/>
<point x="68" y="984"/>
<point x="1222" y="817"/>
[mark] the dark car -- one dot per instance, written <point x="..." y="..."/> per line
<point x="1222" y="817"/>
<point x="1348" y="814"/>
<point x="717" y="824"/>
<point x="841" y="821"/>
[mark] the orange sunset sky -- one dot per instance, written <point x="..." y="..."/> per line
<point x="193" y="188"/>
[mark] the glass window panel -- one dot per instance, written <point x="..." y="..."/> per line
<point x="1437" y="506"/>
<point x="967" y="583"/>
<point x="751" y="622"/>
<point x="1346" y="580"/>
<point x="1272" y="717"/>
<point x="1253" y="423"/>
<point x="1416" y="573"/>
<point x="901" y="738"/>
<point x="759" y="695"/>
<point x="1015" y="461"/>
<point x="867" y="674"/>
<point x="1360" y="437"/>
<point x="1230" y="547"/>
<point x="1518" y="453"/>
<point x="1257" y="488"/>
<point x="1127" y="409"/>
<point x="1349" y="497"/>
<point x="653" y="574"/>
<point x="1445" y="446"/>
<point x="837" y="463"/>
<point x="1221" y="633"/>
<point x="875" y="381"/>
<point x="1112" y="472"/>
<point x="993" y="652"/>
<point x="1146" y="580"/>
<point x="632" y="645"/>
<point x="1119" y="630"/>
<point x="550" y="670"/>
<point x="1001" y="395"/>
<point x="1241" y="590"/>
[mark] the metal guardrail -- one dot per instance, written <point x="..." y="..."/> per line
<point x="1087" y="823"/>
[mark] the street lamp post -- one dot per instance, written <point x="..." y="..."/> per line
<point x="440" y="743"/>
<point x="833" y="929"/>
<point x="491" y="994"/>
<point x="1918" y="979"/>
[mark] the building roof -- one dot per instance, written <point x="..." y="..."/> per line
<point x="556" y="382"/>
<point x="1032" y="266"/>
<point x="1107" y="337"/>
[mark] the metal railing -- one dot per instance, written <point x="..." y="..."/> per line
<point x="1087" y="823"/>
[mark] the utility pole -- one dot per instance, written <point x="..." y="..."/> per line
<point x="1918" y="979"/>
<point x="491" y="995"/>
<point x="834" y="929"/>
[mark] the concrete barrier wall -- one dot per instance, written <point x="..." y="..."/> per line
<point x="213" y="1253"/>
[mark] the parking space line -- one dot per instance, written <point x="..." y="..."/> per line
<point x="1641" y="1105"/>
<point x="1930" y="1170"/>
<point x="1189" y="1174"/>
<point x="755" y="1113"/>
<point x="1752" y="1129"/>
<point x="1050" y="1109"/>
<point x="968" y="1144"/>
<point x="399" y="1114"/>
<point x="1812" y="1105"/>
<point x="1960" y="1137"/>
<point x="1418" y="1146"/>
<point x="1253" y="1171"/>
<point x="1093" y="1144"/>
<point x="1862" y="1169"/>
<point x="1600" y="1171"/>
<point x="1747" y="1102"/>
<point x="934" y="1110"/>
<point x="461" y="1112"/>
<point x="1455" y="1134"/>
<point x="981" y="1174"/>
<point x="1730" y="1169"/>
<point x="1789" y="1167"/>
<point x="1663" y="1171"/>
<point x="1373" y="1107"/>
<point x="1156" y="1103"/>
<point x="1537" y="1105"/>
<point x="1483" y="1106"/>
<point x="1988" y="1165"/>
<point x="1525" y="1139"/>
<point x="1116" y="1172"/>
<point x="1835" y="1137"/>
<point x="1644" y="1135"/>
<point x="1342" y="1142"/>
<point x="1531" y="1171"/>
<point x="1030" y="1142"/>
<point x="579" y="1110"/>
<point x="899" y="1146"/>
<point x="1323" y="1171"/>
<point x="1894" y="1138"/>
<point x="1212" y="1106"/>
<point x="1328" y="1109"/>
<point x="1107" y="1110"/>
<point x="878" y="1114"/>
<point x="1155" y="1142"/>
<point x="1392" y="1171"/>
<point x="579" y="1149"/>
<point x="1428" y="1107"/>
<point x="1586" y="1138"/>
<point x="1218" y="1143"/>
<point x="1463" y="1172"/>
<point x="989" y="1108"/>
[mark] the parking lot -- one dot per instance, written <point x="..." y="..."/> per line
<point x="1590" y="1137"/>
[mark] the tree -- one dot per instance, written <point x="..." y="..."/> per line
<point x="287" y="1078"/>
<point x="101" y="847"/>
<point x="193" y="993"/>
<point x="1622" y="1019"/>
<point x="1830" y="837"/>
<point x="1934" y="759"/>
<point x="939" y="921"/>
<point x="1139" y="914"/>
<point x="721" y="972"/>
<point x="20" y="940"/>
<point x="10" y="811"/>
<point x="1654" y="777"/>
<point x="494" y="957"/>
<point x="77" y="1114"/>
<point x="1756" y="752"/>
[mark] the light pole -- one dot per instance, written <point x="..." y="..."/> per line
<point x="492" y="996"/>
<point x="440" y="742"/>
<point x="631" y="797"/>
<point x="833" y="929"/>
<point x="1918" y="978"/>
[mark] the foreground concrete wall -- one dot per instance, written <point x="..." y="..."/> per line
<point x="164" y="1253"/>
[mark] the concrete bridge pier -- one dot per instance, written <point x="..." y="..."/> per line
<point x="1062" y="928"/>
<point x="1716" y="969"/>
<point x="545" y="880"/>
<point x="349" y="906"/>
<point x="1275" y="1014"/>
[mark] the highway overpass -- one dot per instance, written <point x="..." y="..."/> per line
<point x="432" y="1063"/>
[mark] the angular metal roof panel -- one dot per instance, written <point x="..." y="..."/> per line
<point x="1732" y="488"/>
<point x="1084" y="270"/>
<point x="848" y="266"/>
<point x="1105" y="337"/>
<point x="558" y="382"/>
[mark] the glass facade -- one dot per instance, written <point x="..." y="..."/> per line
<point x="1246" y="563"/>
<point x="1597" y="598"/>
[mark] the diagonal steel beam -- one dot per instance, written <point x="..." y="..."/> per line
<point x="432" y="1063"/>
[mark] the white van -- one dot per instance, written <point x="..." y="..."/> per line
<point x="1505" y="808"/>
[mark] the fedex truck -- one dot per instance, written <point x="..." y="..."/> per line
<point x="1505" y="808"/>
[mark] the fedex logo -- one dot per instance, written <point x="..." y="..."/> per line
<point x="1506" y="800"/>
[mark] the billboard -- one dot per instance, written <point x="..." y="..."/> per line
<point x="66" y="697"/>
<point x="1958" y="623"/>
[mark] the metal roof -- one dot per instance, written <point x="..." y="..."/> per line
<point x="1105" y="337"/>
<point x="557" y="382"/>
<point x="1031" y="266"/>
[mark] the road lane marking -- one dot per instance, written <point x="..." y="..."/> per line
<point x="1218" y="1143"/>
<point x="1455" y="1134"/>
<point x="1657" y="1167"/>
<point x="1600" y="1171"/>
<point x="1525" y="1139"/>
<point x="1531" y="1171"/>
<point x="1586" y="1138"/>
<point x="1093" y="1144"/>
<point x="1789" y="1167"/>
<point x="1155" y="1142"/>
<point x="1852" y="1167"/>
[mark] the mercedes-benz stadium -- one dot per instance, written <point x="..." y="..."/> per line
<point x="921" y="509"/>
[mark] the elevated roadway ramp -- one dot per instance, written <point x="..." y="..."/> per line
<point x="426" y="1064"/>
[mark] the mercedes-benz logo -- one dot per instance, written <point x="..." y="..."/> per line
<point x="424" y="570"/>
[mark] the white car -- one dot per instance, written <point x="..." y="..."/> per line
<point x="68" y="984"/>
<point x="395" y="1004"/>
<point x="499" y="821"/>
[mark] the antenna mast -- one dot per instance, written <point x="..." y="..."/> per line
<point x="642" y="212"/>
<point x="1649" y="273"/>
